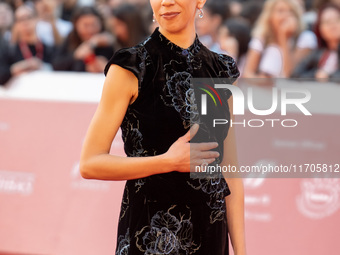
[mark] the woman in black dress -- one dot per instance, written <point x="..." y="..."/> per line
<point x="147" y="93"/>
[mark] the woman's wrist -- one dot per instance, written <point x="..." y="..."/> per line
<point x="166" y="163"/>
<point x="89" y="59"/>
<point x="92" y="44"/>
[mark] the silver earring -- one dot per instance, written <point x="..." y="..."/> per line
<point x="153" y="18"/>
<point x="201" y="14"/>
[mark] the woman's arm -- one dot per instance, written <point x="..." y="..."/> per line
<point x="120" y="89"/>
<point x="234" y="201"/>
<point x="252" y="63"/>
<point x="287" y="30"/>
<point x="287" y="63"/>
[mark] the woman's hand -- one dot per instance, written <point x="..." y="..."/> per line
<point x="321" y="75"/>
<point x="186" y="156"/>
<point x="102" y="40"/>
<point x="287" y="29"/>
<point x="96" y="162"/>
<point x="84" y="50"/>
<point x="49" y="11"/>
<point x="26" y="65"/>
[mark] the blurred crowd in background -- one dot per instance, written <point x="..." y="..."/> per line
<point x="267" y="38"/>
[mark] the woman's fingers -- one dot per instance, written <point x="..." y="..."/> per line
<point x="203" y="146"/>
<point x="188" y="155"/>
<point x="203" y="157"/>
<point x="199" y="163"/>
<point x="202" y="161"/>
<point x="209" y="154"/>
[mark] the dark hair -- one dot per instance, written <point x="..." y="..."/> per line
<point x="14" y="5"/>
<point x="218" y="7"/>
<point x="322" y="43"/>
<point x="240" y="29"/>
<point x="318" y="4"/>
<point x="74" y="39"/>
<point x="251" y="10"/>
<point x="132" y="17"/>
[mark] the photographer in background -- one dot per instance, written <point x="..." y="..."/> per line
<point x="88" y="47"/>
<point x="323" y="63"/>
<point x="28" y="53"/>
<point x="51" y="30"/>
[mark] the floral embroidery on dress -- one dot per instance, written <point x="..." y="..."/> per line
<point x="216" y="188"/>
<point x="145" y="60"/>
<point x="182" y="96"/>
<point x="139" y="183"/>
<point x="123" y="245"/>
<point x="179" y="93"/>
<point x="191" y="50"/>
<point x="230" y="67"/>
<point x="125" y="203"/>
<point x="167" y="234"/>
<point x="131" y="134"/>
<point x="145" y="41"/>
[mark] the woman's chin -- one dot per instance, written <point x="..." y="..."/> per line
<point x="171" y="28"/>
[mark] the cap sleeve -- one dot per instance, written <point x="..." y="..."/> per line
<point x="229" y="71"/>
<point x="229" y="67"/>
<point x="127" y="58"/>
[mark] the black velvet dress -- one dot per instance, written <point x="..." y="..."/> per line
<point x="170" y="213"/>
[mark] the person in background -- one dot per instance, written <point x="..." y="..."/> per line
<point x="104" y="9"/>
<point x="138" y="3"/>
<point x="309" y="13"/>
<point x="6" y="22"/>
<point x="323" y="64"/>
<point x="251" y="10"/>
<point x="113" y="4"/>
<point x="234" y="37"/>
<point x="51" y="29"/>
<point x="306" y="41"/>
<point x="318" y="4"/>
<point x="272" y="48"/>
<point x="16" y="3"/>
<point x="28" y="53"/>
<point x="67" y="9"/>
<point x="215" y="12"/>
<point x="88" y="47"/>
<point x="127" y="25"/>
<point x="236" y="7"/>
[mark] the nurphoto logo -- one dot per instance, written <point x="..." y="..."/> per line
<point x="280" y="99"/>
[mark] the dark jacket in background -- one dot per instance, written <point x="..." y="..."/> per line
<point x="11" y="54"/>
<point x="64" y="60"/>
<point x="308" y="67"/>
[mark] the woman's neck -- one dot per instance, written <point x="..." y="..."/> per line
<point x="333" y="45"/>
<point x="184" y="39"/>
<point x="29" y="38"/>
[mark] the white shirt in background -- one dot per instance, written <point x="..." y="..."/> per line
<point x="45" y="31"/>
<point x="271" y="62"/>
